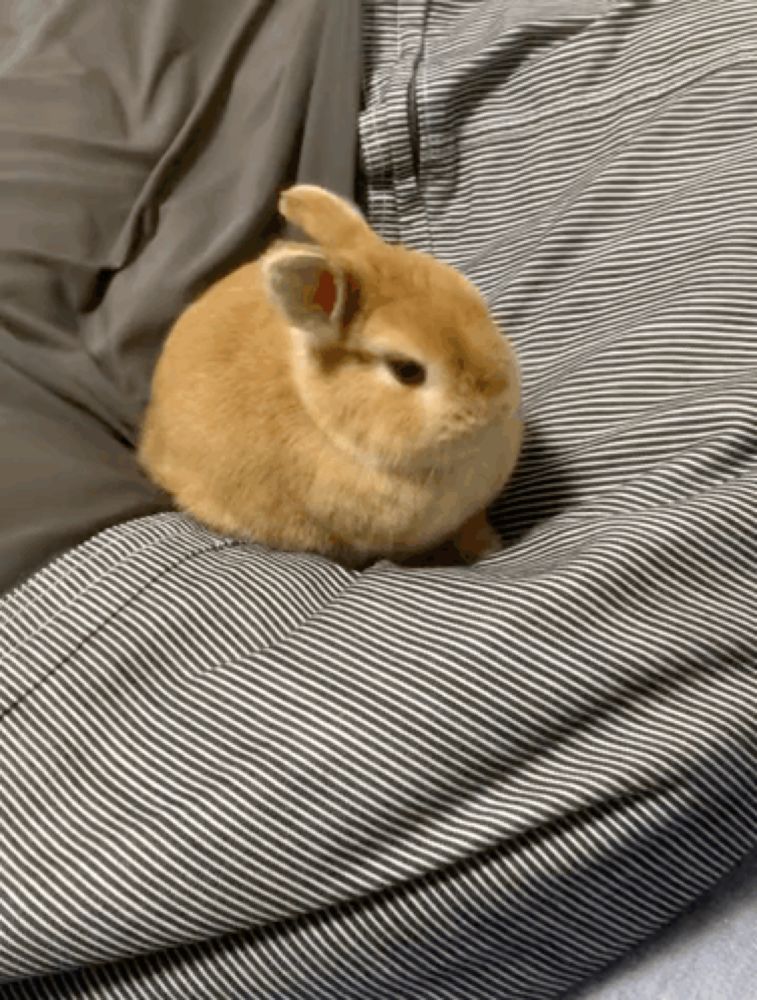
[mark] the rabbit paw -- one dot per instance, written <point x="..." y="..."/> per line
<point x="476" y="539"/>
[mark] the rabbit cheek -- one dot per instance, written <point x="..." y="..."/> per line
<point x="451" y="423"/>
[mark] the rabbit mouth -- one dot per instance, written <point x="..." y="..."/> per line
<point x="469" y="442"/>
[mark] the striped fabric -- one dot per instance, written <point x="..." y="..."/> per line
<point x="239" y="774"/>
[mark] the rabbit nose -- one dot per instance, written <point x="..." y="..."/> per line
<point x="496" y="387"/>
<point x="505" y="398"/>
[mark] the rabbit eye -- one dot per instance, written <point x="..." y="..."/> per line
<point x="407" y="372"/>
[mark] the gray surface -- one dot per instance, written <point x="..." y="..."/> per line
<point x="709" y="953"/>
<point x="116" y="122"/>
<point x="19" y="20"/>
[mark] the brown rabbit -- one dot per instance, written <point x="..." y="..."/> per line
<point x="351" y="398"/>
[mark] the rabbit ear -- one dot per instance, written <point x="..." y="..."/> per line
<point x="329" y="220"/>
<point x="308" y="290"/>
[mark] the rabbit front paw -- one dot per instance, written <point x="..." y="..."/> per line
<point x="476" y="538"/>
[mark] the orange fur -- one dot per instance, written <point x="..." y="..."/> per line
<point x="274" y="415"/>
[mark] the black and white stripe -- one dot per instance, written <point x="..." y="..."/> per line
<point x="301" y="782"/>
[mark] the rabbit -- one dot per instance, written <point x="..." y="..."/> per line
<point x="348" y="397"/>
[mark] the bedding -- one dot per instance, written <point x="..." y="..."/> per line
<point x="233" y="772"/>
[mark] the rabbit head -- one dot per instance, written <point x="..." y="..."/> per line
<point x="395" y="355"/>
